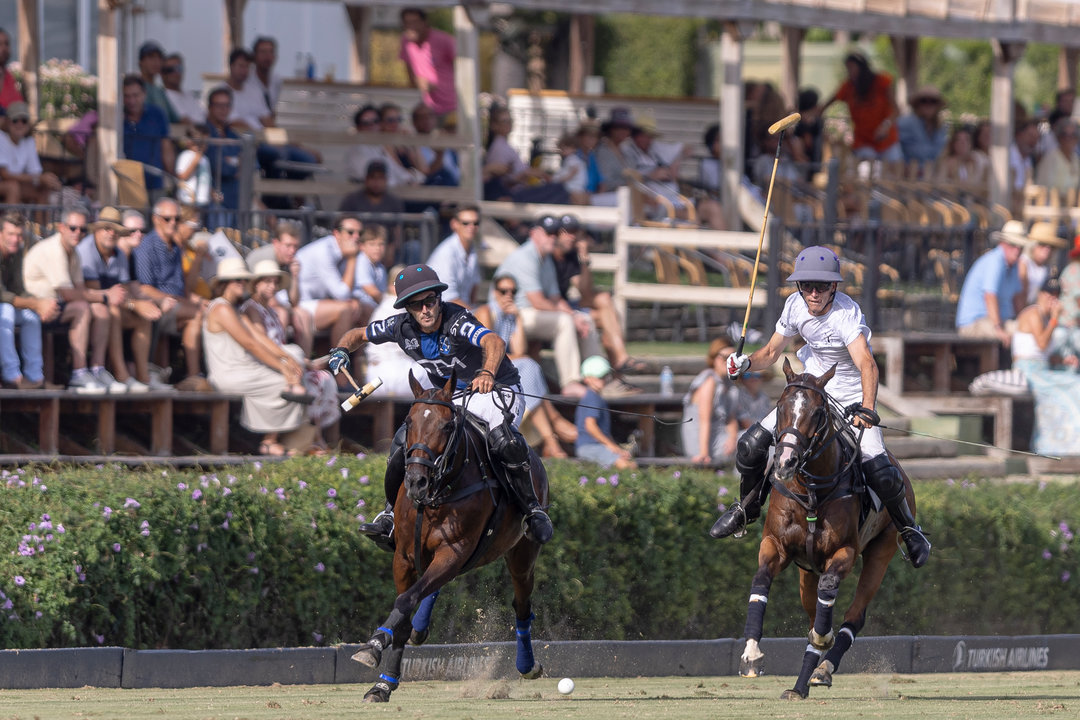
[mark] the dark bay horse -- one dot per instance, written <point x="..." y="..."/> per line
<point x="814" y="521"/>
<point x="452" y="515"/>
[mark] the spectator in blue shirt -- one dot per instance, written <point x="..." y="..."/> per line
<point x="922" y="132"/>
<point x="992" y="295"/>
<point x="146" y="135"/>
<point x="224" y="158"/>
<point x="593" y="419"/>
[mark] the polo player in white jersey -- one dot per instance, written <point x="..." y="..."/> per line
<point x="835" y="331"/>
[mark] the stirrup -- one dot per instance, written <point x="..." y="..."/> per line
<point x="537" y="513"/>
<point x="381" y="530"/>
<point x="902" y="543"/>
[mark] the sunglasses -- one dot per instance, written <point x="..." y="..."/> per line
<point x="171" y="69"/>
<point x="350" y="231"/>
<point x="424" y="303"/>
<point x="169" y="218"/>
<point x="811" y="287"/>
<point x="469" y="223"/>
<point x="365" y="121"/>
<point x="391" y="119"/>
<point x="506" y="291"/>
<point x="77" y="228"/>
<point x="20" y="121"/>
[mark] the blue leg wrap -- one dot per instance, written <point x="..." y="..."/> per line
<point x="525" y="660"/>
<point x="386" y="630"/>
<point x="422" y="619"/>
<point x="389" y="678"/>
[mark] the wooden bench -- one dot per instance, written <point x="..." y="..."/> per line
<point x="942" y="349"/>
<point x="1001" y="409"/>
<point x="51" y="405"/>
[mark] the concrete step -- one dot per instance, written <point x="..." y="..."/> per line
<point x="955" y="468"/>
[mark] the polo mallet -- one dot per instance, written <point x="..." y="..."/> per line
<point x="777" y="127"/>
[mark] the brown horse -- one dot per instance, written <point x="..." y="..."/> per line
<point x="814" y="521"/>
<point x="453" y="515"/>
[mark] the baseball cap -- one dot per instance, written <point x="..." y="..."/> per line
<point x="18" y="110"/>
<point x="549" y="223"/>
<point x="149" y="48"/>
<point x="569" y="223"/>
<point x="595" y="366"/>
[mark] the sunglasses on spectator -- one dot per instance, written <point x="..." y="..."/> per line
<point x="20" y="121"/>
<point x="392" y="119"/>
<point x="818" y="287"/>
<point x="350" y="231"/>
<point x="77" y="228"/>
<point x="169" y="218"/>
<point x="417" y="305"/>
<point x="168" y="70"/>
<point x="368" y="121"/>
<point x="506" y="290"/>
<point x="469" y="222"/>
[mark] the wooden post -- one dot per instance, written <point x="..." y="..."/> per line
<point x="906" y="52"/>
<point x="622" y="254"/>
<point x="30" y="53"/>
<point x="1067" y="62"/>
<point x="233" y="27"/>
<point x="789" y="64"/>
<point x="582" y="38"/>
<point x="110" y="108"/>
<point x="467" y="84"/>
<point x="732" y="118"/>
<point x="1001" y="123"/>
<point x="360" y="57"/>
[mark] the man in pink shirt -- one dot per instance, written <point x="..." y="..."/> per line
<point x="9" y="93"/>
<point x="429" y="57"/>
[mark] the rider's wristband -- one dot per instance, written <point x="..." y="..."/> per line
<point x="484" y="370"/>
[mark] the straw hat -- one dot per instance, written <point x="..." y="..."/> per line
<point x="1011" y="232"/>
<point x="231" y="268"/>
<point x="1045" y="233"/>
<point x="646" y="123"/>
<point x="111" y="218"/>
<point x="927" y="92"/>
<point x="269" y="268"/>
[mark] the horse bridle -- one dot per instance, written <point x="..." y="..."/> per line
<point x="439" y="463"/>
<point x="809" y="448"/>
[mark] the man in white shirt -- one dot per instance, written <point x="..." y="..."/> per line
<point x="264" y="57"/>
<point x="187" y="106"/>
<point x="455" y="261"/>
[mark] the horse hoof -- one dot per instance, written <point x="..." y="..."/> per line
<point x="368" y="655"/>
<point x="822" y="676"/>
<point x="536" y="672"/>
<point x="751" y="668"/>
<point x="379" y="693"/>
<point x="793" y="695"/>
<point x="418" y="637"/>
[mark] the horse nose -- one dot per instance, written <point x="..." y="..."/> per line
<point x="416" y="484"/>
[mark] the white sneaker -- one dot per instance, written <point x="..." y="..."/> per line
<point x="162" y="374"/>
<point x="111" y="384"/>
<point x="159" y="385"/>
<point x="134" y="386"/>
<point x="87" y="384"/>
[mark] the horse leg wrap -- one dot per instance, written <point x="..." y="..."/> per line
<point x="810" y="661"/>
<point x="422" y="618"/>
<point x="844" y="640"/>
<point x="755" y="612"/>
<point x="828" y="586"/>
<point x="525" y="660"/>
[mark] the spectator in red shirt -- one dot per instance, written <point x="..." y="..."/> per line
<point x="429" y="55"/>
<point x="869" y="98"/>
<point x="8" y="92"/>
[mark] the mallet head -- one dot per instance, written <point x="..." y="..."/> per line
<point x="784" y="123"/>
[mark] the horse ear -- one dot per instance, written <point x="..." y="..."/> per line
<point x="448" y="388"/>
<point x="417" y="389"/>
<point x="788" y="373"/>
<point x="828" y="375"/>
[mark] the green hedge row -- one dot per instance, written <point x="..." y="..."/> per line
<point x="268" y="556"/>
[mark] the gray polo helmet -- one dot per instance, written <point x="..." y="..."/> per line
<point x="414" y="280"/>
<point x="816" y="263"/>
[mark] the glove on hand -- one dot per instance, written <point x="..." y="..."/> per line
<point x="857" y="410"/>
<point x="736" y="365"/>
<point x="339" y="360"/>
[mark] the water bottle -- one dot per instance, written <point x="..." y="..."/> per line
<point x="667" y="381"/>
<point x="310" y="67"/>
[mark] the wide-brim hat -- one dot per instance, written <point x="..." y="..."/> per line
<point x="646" y="123"/>
<point x="619" y="117"/>
<point x="111" y="218"/>
<point x="414" y="280"/>
<point x="927" y="92"/>
<point x="230" y="268"/>
<point x="1012" y="233"/>
<point x="1045" y="233"/>
<point x="269" y="268"/>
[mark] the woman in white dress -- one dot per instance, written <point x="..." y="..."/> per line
<point x="239" y="363"/>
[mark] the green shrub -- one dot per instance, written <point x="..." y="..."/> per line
<point x="269" y="556"/>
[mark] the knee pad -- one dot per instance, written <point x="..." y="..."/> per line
<point x="752" y="452"/>
<point x="884" y="477"/>
<point x="395" y="466"/>
<point x="508" y="445"/>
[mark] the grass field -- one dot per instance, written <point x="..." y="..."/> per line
<point x="984" y="696"/>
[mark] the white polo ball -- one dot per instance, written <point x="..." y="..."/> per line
<point x="566" y="686"/>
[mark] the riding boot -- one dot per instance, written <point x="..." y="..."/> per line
<point x="751" y="460"/>
<point x="885" y="479"/>
<point x="381" y="528"/>
<point x="509" y="448"/>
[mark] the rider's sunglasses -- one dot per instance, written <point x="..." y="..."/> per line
<point x="417" y="305"/>
<point x="818" y="287"/>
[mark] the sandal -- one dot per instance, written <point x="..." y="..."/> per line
<point x="633" y="366"/>
<point x="302" y="398"/>
<point x="274" y="449"/>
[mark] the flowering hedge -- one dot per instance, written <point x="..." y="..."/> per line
<point x="66" y="89"/>
<point x="267" y="556"/>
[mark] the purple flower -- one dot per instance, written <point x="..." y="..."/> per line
<point x="181" y="486"/>
<point x="1065" y="576"/>
<point x="46" y="517"/>
<point x="7" y="604"/>
<point x="319" y="567"/>
<point x="254" y="571"/>
<point x="280" y="493"/>
<point x="361" y="503"/>
<point x="226" y="492"/>
<point x="1046" y="555"/>
<point x="614" y="481"/>
<point x="116" y="547"/>
<point x="722" y="491"/>
<point x="677" y="474"/>
<point x="364" y="480"/>
<point x="1042" y="485"/>
<point x="196" y="494"/>
<point x="301" y="484"/>
<point x="361" y="519"/>
<point x="583" y="481"/>
<point x="132" y="503"/>
<point x="20" y="580"/>
<point x="60" y="528"/>
<point x="601" y="480"/>
<point x="331" y="492"/>
<point x="251" y="557"/>
<point x="263" y="490"/>
<point x="361" y="456"/>
<point x="331" y="505"/>
<point x="100" y="639"/>
<point x="107" y="512"/>
<point x="257" y="464"/>
<point x="38" y="614"/>
<point x="79" y="573"/>
<point x="225" y="525"/>
<point x="144" y="529"/>
<point x="317" y="636"/>
<point x="332" y="461"/>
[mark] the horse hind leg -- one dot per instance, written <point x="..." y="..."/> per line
<point x="822" y="675"/>
<point x="389" y="679"/>
<point x="521" y="562"/>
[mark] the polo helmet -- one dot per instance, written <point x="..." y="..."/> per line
<point x="816" y="263"/>
<point x="414" y="280"/>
